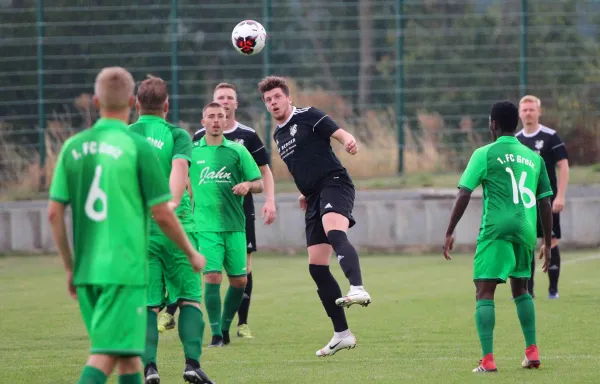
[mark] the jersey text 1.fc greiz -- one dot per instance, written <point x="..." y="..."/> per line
<point x="304" y="144"/>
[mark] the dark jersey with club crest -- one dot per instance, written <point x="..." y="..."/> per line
<point x="546" y="143"/>
<point x="304" y="144"/>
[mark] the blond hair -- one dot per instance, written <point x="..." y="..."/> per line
<point x="531" y="99"/>
<point x="114" y="88"/>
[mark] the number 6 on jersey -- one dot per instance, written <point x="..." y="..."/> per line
<point x="96" y="193"/>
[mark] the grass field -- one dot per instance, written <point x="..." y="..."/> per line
<point x="419" y="329"/>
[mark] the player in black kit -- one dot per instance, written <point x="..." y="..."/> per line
<point x="226" y="95"/>
<point x="548" y="144"/>
<point x="303" y="137"/>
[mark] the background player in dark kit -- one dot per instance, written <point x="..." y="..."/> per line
<point x="226" y="95"/>
<point x="548" y="144"/>
<point x="303" y="139"/>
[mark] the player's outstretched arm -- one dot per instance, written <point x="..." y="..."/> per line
<point x="347" y="140"/>
<point x="170" y="225"/>
<point x="178" y="179"/>
<point x="460" y="206"/>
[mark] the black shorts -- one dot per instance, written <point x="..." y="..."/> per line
<point x="250" y="234"/>
<point x="336" y="195"/>
<point x="555" y="227"/>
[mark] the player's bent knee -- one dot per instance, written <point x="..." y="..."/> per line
<point x="554" y="242"/>
<point x="249" y="262"/>
<point x="238" y="281"/>
<point x="213" y="278"/>
<point x="129" y="365"/>
<point x="105" y="363"/>
<point x="190" y="303"/>
<point x="334" y="220"/>
<point x="319" y="254"/>
<point x="154" y="309"/>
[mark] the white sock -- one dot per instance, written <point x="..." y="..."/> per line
<point x="342" y="335"/>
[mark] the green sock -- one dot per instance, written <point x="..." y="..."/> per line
<point x="233" y="299"/>
<point x="133" y="378"/>
<point x="151" y="338"/>
<point x="191" y="331"/>
<point x="92" y="375"/>
<point x="485" y="318"/>
<point x="526" y="313"/>
<point x="212" y="301"/>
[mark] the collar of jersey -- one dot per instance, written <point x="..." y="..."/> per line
<point x="150" y="118"/>
<point x="225" y="142"/>
<point x="106" y="122"/>
<point x="506" y="138"/>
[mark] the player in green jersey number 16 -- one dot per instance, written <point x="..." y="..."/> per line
<point x="107" y="175"/>
<point x="514" y="182"/>
<point x="221" y="174"/>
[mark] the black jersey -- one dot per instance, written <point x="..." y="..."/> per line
<point x="304" y="144"/>
<point x="548" y="144"/>
<point x="250" y="139"/>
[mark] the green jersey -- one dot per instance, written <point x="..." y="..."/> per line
<point x="513" y="178"/>
<point x="107" y="175"/>
<point x="215" y="170"/>
<point x="170" y="143"/>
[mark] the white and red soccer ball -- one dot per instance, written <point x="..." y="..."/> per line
<point x="249" y="37"/>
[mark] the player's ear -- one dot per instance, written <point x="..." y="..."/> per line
<point x="96" y="102"/>
<point x="166" y="106"/>
<point x="132" y="101"/>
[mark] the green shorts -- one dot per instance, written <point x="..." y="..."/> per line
<point x="170" y="275"/>
<point x="224" y="250"/>
<point x="500" y="259"/>
<point x="115" y="317"/>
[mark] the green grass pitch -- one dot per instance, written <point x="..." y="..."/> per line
<point x="419" y="329"/>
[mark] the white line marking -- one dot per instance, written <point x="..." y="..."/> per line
<point x="581" y="259"/>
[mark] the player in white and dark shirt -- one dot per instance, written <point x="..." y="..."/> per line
<point x="226" y="95"/>
<point x="551" y="148"/>
<point x="303" y="139"/>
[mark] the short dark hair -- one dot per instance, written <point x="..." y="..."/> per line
<point x="506" y="116"/>
<point x="212" y="104"/>
<point x="269" y="83"/>
<point x="152" y="94"/>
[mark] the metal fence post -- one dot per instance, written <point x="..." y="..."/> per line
<point x="400" y="82"/>
<point x="267" y="69"/>
<point x="39" y="22"/>
<point x="174" y="99"/>
<point x="523" y="53"/>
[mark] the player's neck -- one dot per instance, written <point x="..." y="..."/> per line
<point x="214" y="140"/>
<point x="117" y="115"/>
<point x="231" y="123"/>
<point x="287" y="115"/>
<point x="531" y="128"/>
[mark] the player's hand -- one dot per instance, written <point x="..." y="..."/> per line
<point x="558" y="205"/>
<point x="448" y="246"/>
<point x="351" y="146"/>
<point x="545" y="254"/>
<point x="302" y="202"/>
<point x="70" y="286"/>
<point x="197" y="261"/>
<point x="241" y="189"/>
<point x="268" y="212"/>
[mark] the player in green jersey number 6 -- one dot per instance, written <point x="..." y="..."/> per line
<point x="221" y="174"/>
<point x="514" y="182"/>
<point x="108" y="177"/>
<point x="169" y="269"/>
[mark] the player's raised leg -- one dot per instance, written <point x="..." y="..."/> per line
<point x="329" y="291"/>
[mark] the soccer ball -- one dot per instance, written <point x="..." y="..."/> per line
<point x="248" y="37"/>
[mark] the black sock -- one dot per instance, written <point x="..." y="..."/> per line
<point x="347" y="256"/>
<point x="554" y="269"/>
<point x="171" y="309"/>
<point x="328" y="291"/>
<point x="245" y="305"/>
<point x="530" y="282"/>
